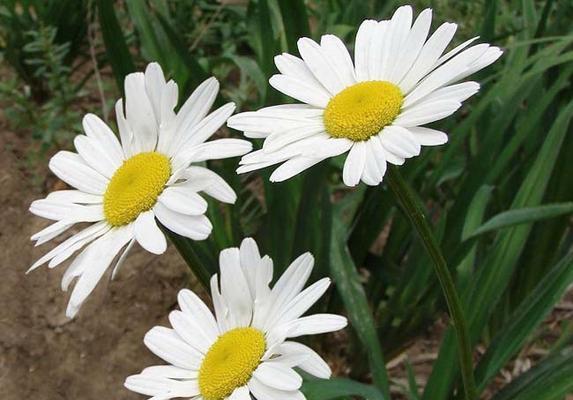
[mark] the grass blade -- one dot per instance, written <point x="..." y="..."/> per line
<point x="523" y="321"/>
<point x="344" y="273"/>
<point x="522" y="216"/>
<point x="335" y="388"/>
<point x="548" y="380"/>
<point x="115" y="45"/>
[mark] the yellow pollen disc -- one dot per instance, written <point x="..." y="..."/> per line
<point x="362" y="110"/>
<point x="230" y="362"/>
<point x="135" y="186"/>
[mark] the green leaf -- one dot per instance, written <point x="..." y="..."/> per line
<point x="295" y="21"/>
<point x="523" y="216"/>
<point x="498" y="267"/>
<point x="347" y="281"/>
<point x="548" y="380"/>
<point x="334" y="388"/>
<point x="115" y="45"/>
<point x="532" y="310"/>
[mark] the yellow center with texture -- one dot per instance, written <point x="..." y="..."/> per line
<point x="230" y="362"/>
<point x="135" y="186"/>
<point x="362" y="110"/>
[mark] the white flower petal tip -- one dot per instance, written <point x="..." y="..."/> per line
<point x="251" y="324"/>
<point x="401" y="52"/>
<point x="155" y="158"/>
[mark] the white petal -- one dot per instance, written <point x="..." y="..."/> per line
<point x="234" y="287"/>
<point x="379" y="52"/>
<point x="335" y="50"/>
<point x="316" y="324"/>
<point x="221" y="308"/>
<point x="207" y="181"/>
<point x="148" y="234"/>
<point x="300" y="90"/>
<point x="190" y="331"/>
<point x="375" y="164"/>
<point x="77" y="241"/>
<point x="458" y="92"/>
<point x="162" y="388"/>
<point x="139" y="113"/>
<point x="182" y="200"/>
<point x="445" y="74"/>
<point x="194" y="308"/>
<point x="263" y="122"/>
<point x="428" y="56"/>
<point x="354" y="164"/>
<point x="208" y="125"/>
<point x="122" y="258"/>
<point x="399" y="28"/>
<point x="424" y="113"/>
<point x="75" y="196"/>
<point x="125" y="131"/>
<point x="71" y="168"/>
<point x="51" y="231"/>
<point x="240" y="393"/>
<point x="98" y="257"/>
<point x="69" y="212"/>
<point x="219" y="149"/>
<point x="278" y="376"/>
<point x="147" y="385"/>
<point x="411" y="48"/>
<point x="320" y="65"/>
<point x="312" y="364"/>
<point x="169" y="371"/>
<point x="290" y="284"/>
<point x="399" y="141"/>
<point x="366" y="33"/>
<point x="293" y="167"/>
<point x="95" y="155"/>
<point x="281" y="138"/>
<point x="264" y="392"/>
<point x="196" y="227"/>
<point x="98" y="130"/>
<point x="294" y="67"/>
<point x="427" y="136"/>
<point x="197" y="105"/>
<point x="301" y="303"/>
<point x="166" y="344"/>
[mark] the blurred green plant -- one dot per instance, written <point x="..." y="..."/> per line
<point x="44" y="44"/>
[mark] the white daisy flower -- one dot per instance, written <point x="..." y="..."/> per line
<point x="372" y="108"/>
<point x="122" y="187"/>
<point x="243" y="348"/>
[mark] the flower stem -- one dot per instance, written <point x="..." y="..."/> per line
<point x="414" y="211"/>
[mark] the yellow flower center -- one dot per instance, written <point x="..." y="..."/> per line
<point x="362" y="110"/>
<point x="135" y="186"/>
<point x="230" y="362"/>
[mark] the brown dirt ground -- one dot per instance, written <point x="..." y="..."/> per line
<point x="43" y="355"/>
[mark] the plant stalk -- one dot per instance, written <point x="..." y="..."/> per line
<point x="413" y="209"/>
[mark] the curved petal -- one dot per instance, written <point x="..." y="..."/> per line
<point x="148" y="234"/>
<point x="72" y="169"/>
<point x="196" y="227"/>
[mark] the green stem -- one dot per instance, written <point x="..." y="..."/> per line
<point x="414" y="211"/>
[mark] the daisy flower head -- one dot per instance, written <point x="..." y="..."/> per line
<point x="244" y="348"/>
<point x="121" y="186"/>
<point x="373" y="107"/>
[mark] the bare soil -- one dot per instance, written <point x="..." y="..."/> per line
<point x="45" y="356"/>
